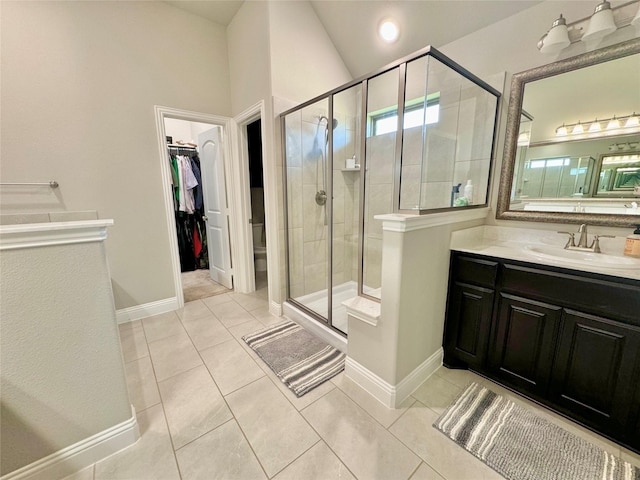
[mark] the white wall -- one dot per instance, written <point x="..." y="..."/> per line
<point x="78" y="86"/>
<point x="249" y="56"/>
<point x="304" y="61"/>
<point x="182" y="130"/>
<point x="62" y="374"/>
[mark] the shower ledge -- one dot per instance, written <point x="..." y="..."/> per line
<point x="401" y="222"/>
<point x="363" y="309"/>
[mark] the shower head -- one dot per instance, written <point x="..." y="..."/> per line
<point x="334" y="123"/>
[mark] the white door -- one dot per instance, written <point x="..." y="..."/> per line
<point x="215" y="204"/>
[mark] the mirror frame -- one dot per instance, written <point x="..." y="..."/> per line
<point x="518" y="83"/>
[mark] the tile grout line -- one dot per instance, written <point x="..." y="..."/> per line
<point x="224" y="399"/>
<point x="422" y="460"/>
<point x="320" y="438"/>
<point x="164" y="413"/>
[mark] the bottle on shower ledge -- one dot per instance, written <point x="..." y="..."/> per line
<point x="468" y="192"/>
<point x="455" y="195"/>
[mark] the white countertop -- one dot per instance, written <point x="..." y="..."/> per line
<point x="521" y="243"/>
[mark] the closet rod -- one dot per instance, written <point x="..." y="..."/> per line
<point x="52" y="184"/>
<point x="182" y="146"/>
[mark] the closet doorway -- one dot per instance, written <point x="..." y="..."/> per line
<point x="195" y="153"/>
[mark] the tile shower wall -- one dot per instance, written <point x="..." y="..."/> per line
<point x="455" y="151"/>
<point x="378" y="200"/>
<point x="308" y="230"/>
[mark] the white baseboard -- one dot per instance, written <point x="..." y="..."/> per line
<point x="81" y="454"/>
<point x="392" y="396"/>
<point x="411" y="382"/>
<point x="383" y="391"/>
<point x="145" y="310"/>
<point x="275" y="308"/>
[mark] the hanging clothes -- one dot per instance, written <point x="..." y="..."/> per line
<point x="189" y="207"/>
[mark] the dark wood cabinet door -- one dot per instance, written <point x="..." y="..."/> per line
<point x="523" y="342"/>
<point x="593" y="372"/>
<point x="468" y="323"/>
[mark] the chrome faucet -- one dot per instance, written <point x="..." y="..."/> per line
<point x="583" y="241"/>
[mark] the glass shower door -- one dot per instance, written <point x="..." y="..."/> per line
<point x="307" y="197"/>
<point x="347" y="105"/>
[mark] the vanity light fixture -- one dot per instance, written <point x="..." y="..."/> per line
<point x="577" y="129"/>
<point x="595" y="126"/>
<point x="624" y="146"/>
<point x="604" y="21"/>
<point x="601" y="23"/>
<point x="557" y="38"/>
<point x="561" y="131"/>
<point x="632" y="121"/>
<point x="389" y="30"/>
<point x="615" y="125"/>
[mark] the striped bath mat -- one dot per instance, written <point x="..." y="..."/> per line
<point x="298" y="358"/>
<point x="520" y="445"/>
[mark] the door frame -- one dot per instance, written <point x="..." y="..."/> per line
<point x="228" y="126"/>
<point x="270" y="177"/>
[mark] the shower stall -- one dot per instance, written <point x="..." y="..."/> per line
<point x="397" y="141"/>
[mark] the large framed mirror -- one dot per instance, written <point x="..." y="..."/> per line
<point x="572" y="144"/>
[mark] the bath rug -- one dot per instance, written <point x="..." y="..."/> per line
<point x="299" y="359"/>
<point x="520" y="445"/>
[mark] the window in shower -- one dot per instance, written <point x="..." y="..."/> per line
<point x="415" y="114"/>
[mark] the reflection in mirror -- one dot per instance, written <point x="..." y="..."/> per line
<point x="619" y="174"/>
<point x="572" y="131"/>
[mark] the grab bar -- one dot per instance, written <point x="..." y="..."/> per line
<point x="52" y="184"/>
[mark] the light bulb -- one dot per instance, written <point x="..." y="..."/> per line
<point x="595" y="126"/>
<point x="601" y="23"/>
<point x="561" y="131"/>
<point x="389" y="31"/>
<point x="578" y="129"/>
<point x="632" y="121"/>
<point x="613" y="124"/>
<point x="557" y="38"/>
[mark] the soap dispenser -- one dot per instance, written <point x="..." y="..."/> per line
<point x="632" y="244"/>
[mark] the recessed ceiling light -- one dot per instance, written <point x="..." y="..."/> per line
<point x="389" y="31"/>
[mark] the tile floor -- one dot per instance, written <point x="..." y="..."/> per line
<point x="209" y="408"/>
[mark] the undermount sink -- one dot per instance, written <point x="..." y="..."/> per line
<point x="576" y="257"/>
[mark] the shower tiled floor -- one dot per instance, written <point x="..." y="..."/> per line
<point x="208" y="408"/>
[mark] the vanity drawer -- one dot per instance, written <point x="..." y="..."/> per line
<point x="475" y="271"/>
<point x="595" y="295"/>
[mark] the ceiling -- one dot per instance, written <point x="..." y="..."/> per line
<point x="352" y="24"/>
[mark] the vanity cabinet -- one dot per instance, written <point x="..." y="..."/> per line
<point x="593" y="375"/>
<point x="524" y="342"/>
<point x="565" y="338"/>
<point x="471" y="300"/>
